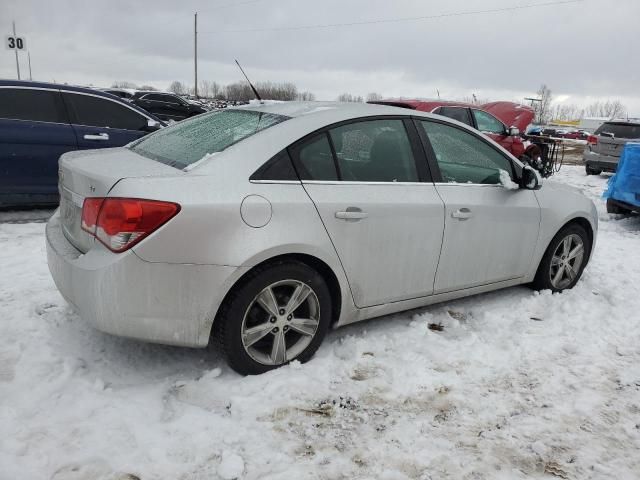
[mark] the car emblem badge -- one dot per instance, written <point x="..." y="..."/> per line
<point x="92" y="188"/>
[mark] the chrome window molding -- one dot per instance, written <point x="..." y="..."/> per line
<point x="284" y="182"/>
<point x="351" y="182"/>
<point x="466" y="184"/>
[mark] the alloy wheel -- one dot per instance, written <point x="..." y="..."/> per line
<point x="566" y="261"/>
<point x="280" y="322"/>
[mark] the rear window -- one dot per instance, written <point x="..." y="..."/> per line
<point x="619" y="130"/>
<point x="190" y="140"/>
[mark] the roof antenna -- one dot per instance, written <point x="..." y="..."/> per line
<point x="255" y="92"/>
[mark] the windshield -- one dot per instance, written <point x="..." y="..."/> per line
<point x="190" y="140"/>
<point x="619" y="130"/>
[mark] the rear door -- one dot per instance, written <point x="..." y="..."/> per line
<point x="34" y="132"/>
<point x="490" y="231"/>
<point x="100" y="122"/>
<point x="371" y="187"/>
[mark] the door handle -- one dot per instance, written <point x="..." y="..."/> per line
<point x="352" y="214"/>
<point x="99" y="136"/>
<point x="462" y="214"/>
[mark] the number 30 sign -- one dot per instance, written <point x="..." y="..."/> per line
<point x="15" y="43"/>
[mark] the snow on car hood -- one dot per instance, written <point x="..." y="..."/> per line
<point x="511" y="114"/>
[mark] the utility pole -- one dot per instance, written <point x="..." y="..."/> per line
<point x="16" y="50"/>
<point x="29" y="57"/>
<point x="195" y="52"/>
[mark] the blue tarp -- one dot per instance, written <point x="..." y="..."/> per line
<point x="624" y="186"/>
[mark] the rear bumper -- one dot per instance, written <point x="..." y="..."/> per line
<point x="597" y="161"/>
<point x="123" y="295"/>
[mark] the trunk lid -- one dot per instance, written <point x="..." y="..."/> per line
<point x="93" y="173"/>
<point x="609" y="146"/>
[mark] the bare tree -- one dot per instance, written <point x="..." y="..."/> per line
<point x="306" y="97"/>
<point x="149" y="88"/>
<point x="542" y="108"/>
<point x="374" y="97"/>
<point x="566" y="112"/>
<point x="178" y="87"/>
<point x="123" y="84"/>
<point x="608" y="109"/>
<point x="347" y="97"/>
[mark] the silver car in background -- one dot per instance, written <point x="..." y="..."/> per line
<point x="262" y="227"/>
<point x="605" y="146"/>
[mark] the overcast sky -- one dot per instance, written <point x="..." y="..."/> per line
<point x="583" y="51"/>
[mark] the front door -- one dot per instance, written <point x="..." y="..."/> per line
<point x="491" y="226"/>
<point x="369" y="183"/>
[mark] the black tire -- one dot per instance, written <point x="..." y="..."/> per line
<point x="542" y="279"/>
<point x="228" y="324"/>
<point x="613" y="207"/>
<point x="592" y="171"/>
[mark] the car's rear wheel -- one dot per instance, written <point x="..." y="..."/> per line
<point x="592" y="171"/>
<point x="565" y="259"/>
<point x="280" y="312"/>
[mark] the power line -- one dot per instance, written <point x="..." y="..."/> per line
<point x="396" y="20"/>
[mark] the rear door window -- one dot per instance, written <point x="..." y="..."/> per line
<point x="374" y="151"/>
<point x="101" y="112"/>
<point x="32" y="104"/>
<point x="314" y="159"/>
<point x="619" y="130"/>
<point x="460" y="114"/>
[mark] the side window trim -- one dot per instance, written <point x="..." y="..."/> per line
<point x="425" y="172"/>
<point x="431" y="155"/>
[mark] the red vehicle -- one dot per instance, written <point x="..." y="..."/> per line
<point x="501" y="121"/>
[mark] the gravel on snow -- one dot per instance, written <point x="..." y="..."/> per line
<point x="519" y="384"/>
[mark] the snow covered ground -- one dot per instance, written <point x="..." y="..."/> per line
<point x="518" y="385"/>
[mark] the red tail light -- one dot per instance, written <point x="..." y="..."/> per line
<point x="120" y="223"/>
<point x="592" y="140"/>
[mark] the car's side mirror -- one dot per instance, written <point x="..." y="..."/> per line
<point x="513" y="131"/>
<point x="530" y="179"/>
<point x="152" y="125"/>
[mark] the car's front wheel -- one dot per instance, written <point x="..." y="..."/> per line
<point x="565" y="259"/>
<point x="279" y="313"/>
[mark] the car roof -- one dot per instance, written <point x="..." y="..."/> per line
<point x="57" y="86"/>
<point x="330" y="111"/>
<point x="423" y="105"/>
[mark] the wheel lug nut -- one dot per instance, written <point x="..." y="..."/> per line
<point x="289" y="317"/>
<point x="285" y="328"/>
<point x="281" y="312"/>
<point x="272" y="319"/>
<point x="275" y="330"/>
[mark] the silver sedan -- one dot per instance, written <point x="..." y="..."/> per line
<point x="262" y="227"/>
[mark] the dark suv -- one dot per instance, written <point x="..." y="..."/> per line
<point x="41" y="121"/>
<point x="605" y="145"/>
<point x="166" y="105"/>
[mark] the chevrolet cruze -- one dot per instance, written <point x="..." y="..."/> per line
<point x="262" y="227"/>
